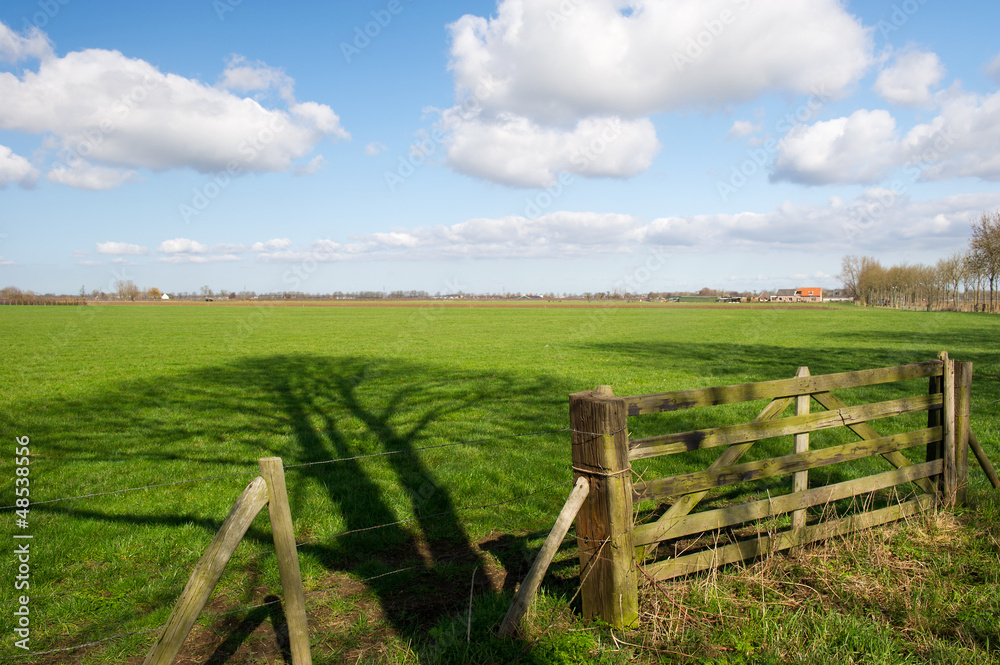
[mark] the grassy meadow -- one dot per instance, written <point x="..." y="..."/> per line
<point x="474" y="399"/>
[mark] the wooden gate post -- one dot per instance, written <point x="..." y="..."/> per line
<point x="949" y="475"/>
<point x="963" y="399"/>
<point x="800" y="480"/>
<point x="609" y="584"/>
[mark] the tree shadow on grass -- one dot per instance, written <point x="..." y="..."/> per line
<point x="399" y="506"/>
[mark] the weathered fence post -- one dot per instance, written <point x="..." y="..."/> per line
<point x="949" y="475"/>
<point x="609" y="585"/>
<point x="800" y="480"/>
<point x="963" y="399"/>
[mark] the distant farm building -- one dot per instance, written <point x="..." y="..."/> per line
<point x="809" y="294"/>
<point x="783" y="295"/>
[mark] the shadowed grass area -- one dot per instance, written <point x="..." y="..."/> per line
<point x="115" y="397"/>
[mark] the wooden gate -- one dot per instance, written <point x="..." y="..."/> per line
<point x="611" y="542"/>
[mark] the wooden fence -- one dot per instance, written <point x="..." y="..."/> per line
<point x="612" y="545"/>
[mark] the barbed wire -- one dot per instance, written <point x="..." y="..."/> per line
<point x="295" y="466"/>
<point x="80" y="646"/>
<point x="314" y="541"/>
<point x="136" y="489"/>
<point x="279" y="600"/>
<point x="64" y="592"/>
<point x="310" y="593"/>
<point x="415" y="450"/>
<point x="433" y="515"/>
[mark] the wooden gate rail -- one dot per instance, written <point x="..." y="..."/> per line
<point x="610" y="541"/>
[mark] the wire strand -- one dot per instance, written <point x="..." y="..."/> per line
<point x="433" y="515"/>
<point x="81" y="646"/>
<point x="136" y="489"/>
<point x="415" y="450"/>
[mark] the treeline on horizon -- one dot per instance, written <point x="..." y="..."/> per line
<point x="963" y="281"/>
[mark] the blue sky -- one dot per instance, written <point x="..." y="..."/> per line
<point x="520" y="146"/>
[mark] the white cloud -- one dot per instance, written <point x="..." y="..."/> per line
<point x="962" y="141"/>
<point x="314" y="165"/>
<point x="7" y="262"/>
<point x="992" y="69"/>
<point x="876" y="219"/>
<point x="15" y="168"/>
<point x="104" y="108"/>
<point x="122" y="248"/>
<point x="198" y="258"/>
<point x="860" y="148"/>
<point x="742" y="129"/>
<point x="375" y="148"/>
<point x="89" y="262"/>
<point x="181" y="246"/>
<point x="534" y="81"/>
<point x="558" y="61"/>
<point x="271" y="245"/>
<point x="909" y="80"/>
<point x="15" y="47"/>
<point x="241" y="77"/>
<point x="516" y="151"/>
<point x="119" y="261"/>
<point x="84" y="175"/>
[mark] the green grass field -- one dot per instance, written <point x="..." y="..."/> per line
<point x="123" y="397"/>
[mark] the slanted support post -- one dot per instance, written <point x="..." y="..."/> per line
<point x="207" y="573"/>
<point x="609" y="584"/>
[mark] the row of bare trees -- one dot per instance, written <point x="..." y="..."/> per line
<point x="961" y="281"/>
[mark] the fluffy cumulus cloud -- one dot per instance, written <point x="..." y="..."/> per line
<point x="16" y="169"/>
<point x="908" y="81"/>
<point x="15" y="47"/>
<point x="963" y="140"/>
<point x="242" y="77"/>
<point x="121" y="248"/>
<point x="181" y="246"/>
<point x="559" y="61"/>
<point x="271" y="245"/>
<point x="860" y="148"/>
<point x="540" y="73"/>
<point x="517" y="151"/>
<point x="84" y="175"/>
<point x="106" y="114"/>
